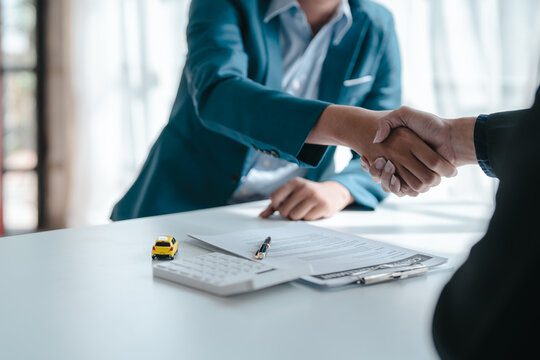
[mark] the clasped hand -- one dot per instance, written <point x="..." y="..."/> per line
<point x="451" y="139"/>
<point x="412" y="164"/>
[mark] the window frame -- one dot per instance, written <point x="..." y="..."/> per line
<point x="39" y="70"/>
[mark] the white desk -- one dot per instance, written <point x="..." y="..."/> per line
<point x="88" y="293"/>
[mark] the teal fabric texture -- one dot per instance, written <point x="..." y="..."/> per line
<point x="230" y="100"/>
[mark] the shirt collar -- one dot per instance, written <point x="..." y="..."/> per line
<point x="343" y="11"/>
<point x="279" y="6"/>
<point x="344" y="22"/>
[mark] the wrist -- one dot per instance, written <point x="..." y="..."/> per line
<point x="327" y="130"/>
<point x="341" y="193"/>
<point x="462" y="140"/>
<point x="349" y="126"/>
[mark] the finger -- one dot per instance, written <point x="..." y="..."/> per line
<point x="434" y="161"/>
<point x="409" y="177"/>
<point x="302" y="208"/>
<point x="295" y="198"/>
<point x="422" y="177"/>
<point x="315" y="213"/>
<point x="267" y="212"/>
<point x="387" y="123"/>
<point x="364" y="164"/>
<point x="279" y="195"/>
<point x="376" y="169"/>
<point x="406" y="190"/>
<point x="386" y="176"/>
<point x="395" y="185"/>
<point x="428" y="177"/>
<point x="401" y="191"/>
<point x="364" y="159"/>
<point x="384" y="126"/>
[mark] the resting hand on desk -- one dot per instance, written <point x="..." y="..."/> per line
<point x="451" y="138"/>
<point x="302" y="199"/>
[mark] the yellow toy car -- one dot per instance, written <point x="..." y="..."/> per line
<point x="165" y="247"/>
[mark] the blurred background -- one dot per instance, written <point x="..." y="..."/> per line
<point x="86" y="86"/>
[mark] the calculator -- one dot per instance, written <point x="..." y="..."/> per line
<point x="224" y="274"/>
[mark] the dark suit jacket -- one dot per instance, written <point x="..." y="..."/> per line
<point x="489" y="309"/>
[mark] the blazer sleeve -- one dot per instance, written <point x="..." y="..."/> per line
<point x="230" y="103"/>
<point x="385" y="95"/>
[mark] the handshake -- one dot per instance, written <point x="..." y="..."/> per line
<point x="406" y="150"/>
<point x="451" y="139"/>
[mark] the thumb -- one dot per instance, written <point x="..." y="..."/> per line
<point x="393" y="120"/>
<point x="384" y="126"/>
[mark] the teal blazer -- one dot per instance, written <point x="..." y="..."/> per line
<point x="230" y="100"/>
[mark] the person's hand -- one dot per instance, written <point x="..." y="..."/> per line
<point x="302" y="199"/>
<point x="453" y="139"/>
<point x="410" y="163"/>
<point x="429" y="127"/>
<point x="383" y="172"/>
<point x="416" y="163"/>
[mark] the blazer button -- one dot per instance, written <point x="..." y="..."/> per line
<point x="274" y="153"/>
<point x="235" y="178"/>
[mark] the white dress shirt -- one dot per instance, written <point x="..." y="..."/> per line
<point x="302" y="58"/>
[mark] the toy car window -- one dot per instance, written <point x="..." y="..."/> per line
<point x="174" y="241"/>
<point x="162" y="243"/>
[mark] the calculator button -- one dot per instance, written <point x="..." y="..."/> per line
<point x="222" y="274"/>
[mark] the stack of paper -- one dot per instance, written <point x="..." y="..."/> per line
<point x="335" y="258"/>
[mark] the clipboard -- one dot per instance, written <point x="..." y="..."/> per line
<point x="397" y="270"/>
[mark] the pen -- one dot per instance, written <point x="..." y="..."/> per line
<point x="396" y="275"/>
<point x="261" y="253"/>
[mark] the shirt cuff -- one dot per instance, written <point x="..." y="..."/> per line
<point x="481" y="146"/>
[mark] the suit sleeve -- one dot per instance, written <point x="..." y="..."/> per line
<point x="227" y="101"/>
<point x="385" y="95"/>
<point x="487" y="309"/>
<point x="491" y="133"/>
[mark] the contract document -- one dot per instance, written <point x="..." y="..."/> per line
<point x="334" y="258"/>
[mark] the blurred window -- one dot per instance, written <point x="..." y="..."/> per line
<point x="19" y="115"/>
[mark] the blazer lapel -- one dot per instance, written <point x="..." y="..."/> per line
<point x="340" y="60"/>
<point x="274" y="70"/>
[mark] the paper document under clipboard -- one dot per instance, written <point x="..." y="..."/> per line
<point x="332" y="257"/>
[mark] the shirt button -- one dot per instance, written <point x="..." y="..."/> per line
<point x="296" y="85"/>
<point x="266" y="163"/>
